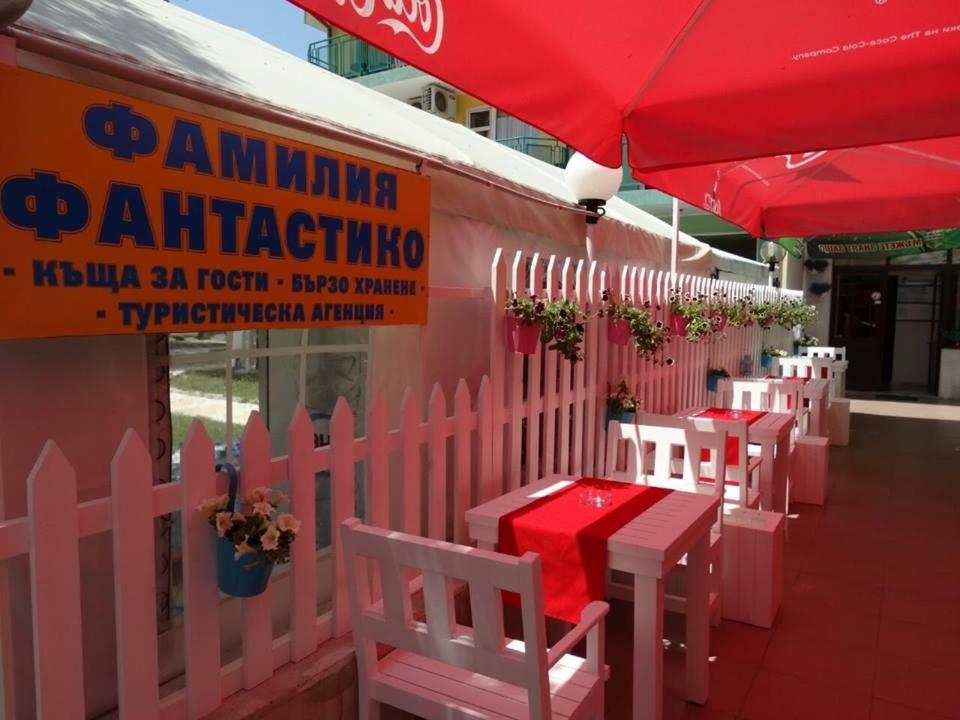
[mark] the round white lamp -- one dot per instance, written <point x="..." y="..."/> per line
<point x="592" y="184"/>
<point x="11" y="10"/>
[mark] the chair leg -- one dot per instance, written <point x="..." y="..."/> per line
<point x="369" y="709"/>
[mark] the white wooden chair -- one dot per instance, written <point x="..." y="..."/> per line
<point x="824" y="351"/>
<point x="788" y="398"/>
<point x="742" y="486"/>
<point x="441" y="670"/>
<point x="745" y="394"/>
<point x="670" y="457"/>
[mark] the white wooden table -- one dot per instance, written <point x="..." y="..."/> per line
<point x="649" y="546"/>
<point x="772" y="434"/>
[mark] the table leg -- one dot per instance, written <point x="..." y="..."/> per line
<point x="647" y="648"/>
<point x="698" y="621"/>
<point x="766" y="475"/>
<point x="781" y="465"/>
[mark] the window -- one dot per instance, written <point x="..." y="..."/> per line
<point x="483" y="121"/>
<point x="222" y="377"/>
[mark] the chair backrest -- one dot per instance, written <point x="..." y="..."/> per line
<point x="655" y="452"/>
<point x="834" y="353"/>
<point x="744" y="394"/>
<point x="397" y="557"/>
<point x="736" y="429"/>
<point x="819" y="367"/>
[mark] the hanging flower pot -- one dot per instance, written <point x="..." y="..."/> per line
<point x="522" y="338"/>
<point x="618" y="332"/>
<point x="624" y="418"/>
<point x="766" y="361"/>
<point x="713" y="378"/>
<point x="251" y="541"/>
<point x="719" y="322"/>
<point x="242" y="576"/>
<point x="678" y="325"/>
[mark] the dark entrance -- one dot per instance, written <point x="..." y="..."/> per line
<point x="859" y="322"/>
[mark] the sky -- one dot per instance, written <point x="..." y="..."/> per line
<point x="277" y="22"/>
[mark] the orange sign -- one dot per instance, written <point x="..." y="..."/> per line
<point x="119" y="215"/>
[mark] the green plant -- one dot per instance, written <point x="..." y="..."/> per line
<point x="622" y="401"/>
<point x="718" y="372"/>
<point x="808" y="340"/>
<point x="528" y="310"/>
<point x="562" y="328"/>
<point x="795" y="313"/>
<point x="737" y="312"/>
<point x="765" y="313"/>
<point x="693" y="309"/>
<point x="649" y="335"/>
<point x="775" y="352"/>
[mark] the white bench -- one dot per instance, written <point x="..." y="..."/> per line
<point x="441" y="670"/>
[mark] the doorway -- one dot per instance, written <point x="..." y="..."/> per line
<point x="889" y="319"/>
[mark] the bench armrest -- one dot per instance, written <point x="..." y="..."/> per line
<point x="591" y="627"/>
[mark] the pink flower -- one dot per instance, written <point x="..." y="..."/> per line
<point x="224" y="523"/>
<point x="270" y="538"/>
<point x="279" y="498"/>
<point x="287" y="522"/>
<point x="214" y="504"/>
<point x="259" y="494"/>
<point x="263" y="508"/>
<point x="242" y="549"/>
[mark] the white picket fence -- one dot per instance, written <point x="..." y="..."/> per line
<point x="440" y="461"/>
<point x="562" y="427"/>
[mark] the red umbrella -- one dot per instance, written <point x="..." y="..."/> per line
<point x="688" y="81"/>
<point x="880" y="188"/>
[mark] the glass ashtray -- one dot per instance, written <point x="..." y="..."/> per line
<point x="591" y="497"/>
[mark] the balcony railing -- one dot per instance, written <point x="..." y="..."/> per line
<point x="547" y="149"/>
<point x="349" y="57"/>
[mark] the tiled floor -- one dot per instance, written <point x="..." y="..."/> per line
<point x="869" y="628"/>
<point x="870" y="624"/>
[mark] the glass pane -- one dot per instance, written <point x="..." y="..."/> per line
<point x="480" y="119"/>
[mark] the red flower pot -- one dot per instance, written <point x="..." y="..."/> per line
<point x="618" y="332"/>
<point x="719" y="322"/>
<point x="522" y="338"/>
<point x="678" y="325"/>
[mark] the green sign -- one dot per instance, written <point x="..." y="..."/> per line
<point x="881" y="245"/>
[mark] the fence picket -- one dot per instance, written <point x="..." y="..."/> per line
<point x="566" y="374"/>
<point x="550" y="384"/>
<point x="579" y="373"/>
<point x="342" y="504"/>
<point x="499" y="291"/>
<point x="437" y="485"/>
<point x="410" y="477"/>
<point x="515" y="391"/>
<point x="590" y="374"/>
<point x="301" y="476"/>
<point x="486" y="436"/>
<point x="55" y="586"/>
<point x="462" y="458"/>
<point x="532" y="402"/>
<point x="201" y="601"/>
<point x="134" y="582"/>
<point x="256" y="611"/>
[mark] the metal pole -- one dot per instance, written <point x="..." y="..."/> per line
<point x="590" y="229"/>
<point x="676" y="236"/>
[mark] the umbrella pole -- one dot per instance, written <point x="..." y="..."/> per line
<point x="676" y="236"/>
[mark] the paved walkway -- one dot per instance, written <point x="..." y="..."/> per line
<point x="209" y="407"/>
<point x="870" y="624"/>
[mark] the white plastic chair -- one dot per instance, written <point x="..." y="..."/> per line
<point x="439" y="669"/>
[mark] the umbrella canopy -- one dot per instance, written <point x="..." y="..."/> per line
<point x="689" y="82"/>
<point x="880" y="188"/>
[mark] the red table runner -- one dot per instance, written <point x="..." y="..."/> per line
<point x="733" y="444"/>
<point x="571" y="539"/>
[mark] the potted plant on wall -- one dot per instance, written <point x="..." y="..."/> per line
<point x="764" y="313"/>
<point x="689" y="317"/>
<point x="524" y="321"/>
<point x="622" y="405"/>
<point x="619" y="314"/>
<point x="735" y="313"/>
<point x="562" y="328"/>
<point x="649" y="335"/>
<point x="766" y="359"/>
<point x="251" y="537"/>
<point x="713" y="377"/>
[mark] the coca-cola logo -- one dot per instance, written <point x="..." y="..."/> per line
<point x="420" y="20"/>
<point x="711" y="203"/>
<point x="795" y="161"/>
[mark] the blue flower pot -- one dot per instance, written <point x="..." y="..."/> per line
<point x="766" y="361"/>
<point x="234" y="577"/>
<point x="712" y="382"/>
<point x="624" y="418"/>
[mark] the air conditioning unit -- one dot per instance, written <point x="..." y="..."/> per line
<point x="438" y="100"/>
<point x="416" y="102"/>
